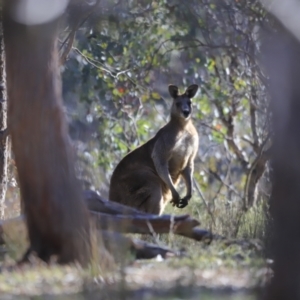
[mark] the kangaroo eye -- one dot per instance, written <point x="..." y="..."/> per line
<point x="189" y="103"/>
<point x="178" y="104"/>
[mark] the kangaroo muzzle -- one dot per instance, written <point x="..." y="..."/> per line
<point x="186" y="113"/>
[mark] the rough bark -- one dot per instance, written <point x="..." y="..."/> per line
<point x="3" y="124"/>
<point x="56" y="216"/>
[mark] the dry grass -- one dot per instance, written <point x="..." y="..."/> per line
<point x="41" y="279"/>
<point x="216" y="266"/>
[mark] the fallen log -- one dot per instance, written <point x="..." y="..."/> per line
<point x="197" y="234"/>
<point x="113" y="216"/>
<point x="144" y="224"/>
<point x="182" y="225"/>
<point x="97" y="203"/>
<point x="111" y="219"/>
<point x="116" y="242"/>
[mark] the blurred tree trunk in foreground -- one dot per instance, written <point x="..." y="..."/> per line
<point x="56" y="216"/>
<point x="3" y="123"/>
<point x="282" y="59"/>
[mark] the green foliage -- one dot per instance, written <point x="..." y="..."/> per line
<point x="115" y="84"/>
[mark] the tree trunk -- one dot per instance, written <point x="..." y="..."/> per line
<point x="282" y="59"/>
<point x="56" y="216"/>
<point x="3" y="124"/>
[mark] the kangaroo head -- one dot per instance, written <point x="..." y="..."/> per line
<point x="182" y="105"/>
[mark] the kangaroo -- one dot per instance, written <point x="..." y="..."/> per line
<point x="146" y="177"/>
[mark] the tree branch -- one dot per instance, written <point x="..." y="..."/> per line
<point x="255" y="172"/>
<point x="80" y="19"/>
<point x="253" y="120"/>
<point x="228" y="123"/>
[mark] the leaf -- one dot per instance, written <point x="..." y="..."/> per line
<point x="155" y="96"/>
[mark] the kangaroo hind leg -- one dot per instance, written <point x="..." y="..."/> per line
<point x="151" y="199"/>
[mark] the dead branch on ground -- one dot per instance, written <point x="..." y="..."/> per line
<point x="111" y="219"/>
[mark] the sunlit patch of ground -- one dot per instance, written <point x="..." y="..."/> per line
<point x="149" y="275"/>
<point x="214" y="266"/>
<point x="213" y="272"/>
<point x="41" y="279"/>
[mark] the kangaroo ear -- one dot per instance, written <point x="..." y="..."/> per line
<point x="173" y="90"/>
<point x="191" y="90"/>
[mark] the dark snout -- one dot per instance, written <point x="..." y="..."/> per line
<point x="186" y="113"/>
<point x="186" y="110"/>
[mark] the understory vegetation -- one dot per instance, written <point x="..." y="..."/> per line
<point x="115" y="74"/>
<point x="116" y="96"/>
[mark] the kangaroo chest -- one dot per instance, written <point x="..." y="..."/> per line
<point x="183" y="149"/>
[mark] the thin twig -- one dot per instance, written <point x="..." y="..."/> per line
<point x="205" y="202"/>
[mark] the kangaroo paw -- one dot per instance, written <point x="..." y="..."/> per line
<point x="183" y="202"/>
